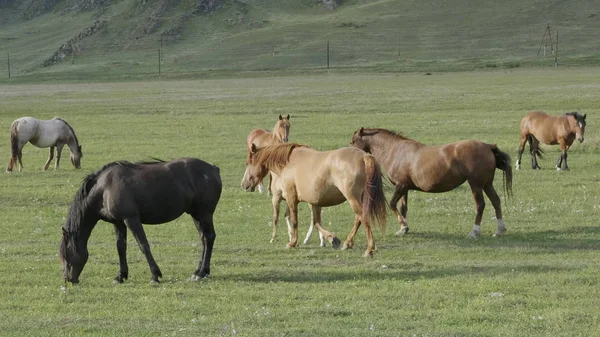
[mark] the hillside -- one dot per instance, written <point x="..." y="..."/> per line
<point x="81" y="39"/>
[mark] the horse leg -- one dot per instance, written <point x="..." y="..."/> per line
<point x="121" y="235"/>
<point x="520" y="151"/>
<point x="323" y="233"/>
<point x="479" y="206"/>
<point x="59" y="148"/>
<point x="269" y="185"/>
<point x="357" y="208"/>
<point x="349" y="242"/>
<point x="50" y="157"/>
<point x="495" y="199"/>
<point x="566" y="167"/>
<point x="206" y="229"/>
<point x="293" y="207"/>
<point x="135" y="226"/>
<point x="276" y="201"/>
<point x="533" y="147"/>
<point x="400" y="194"/>
<point x="562" y="159"/>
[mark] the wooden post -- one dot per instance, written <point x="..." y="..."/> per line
<point x="72" y="54"/>
<point x="556" y="51"/>
<point x="159" y="62"/>
<point x="8" y="61"/>
<point x="328" y="54"/>
<point x="273" y="40"/>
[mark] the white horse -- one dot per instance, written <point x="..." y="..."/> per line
<point x="43" y="133"/>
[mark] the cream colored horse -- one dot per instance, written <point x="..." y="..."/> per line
<point x="261" y="138"/>
<point x="323" y="179"/>
<point x="43" y="133"/>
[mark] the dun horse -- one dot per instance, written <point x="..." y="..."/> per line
<point x="323" y="179"/>
<point x="261" y="138"/>
<point x="41" y="133"/>
<point x="411" y="165"/>
<point x="129" y="195"/>
<point x="539" y="127"/>
<point x="277" y="189"/>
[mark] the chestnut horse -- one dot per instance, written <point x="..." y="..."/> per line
<point x="323" y="179"/>
<point x="41" y="133"/>
<point x="262" y="138"/>
<point x="277" y="197"/>
<point x="539" y="127"/>
<point x="411" y="165"/>
<point x="129" y="195"/>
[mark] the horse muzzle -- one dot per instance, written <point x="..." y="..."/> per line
<point x="580" y="139"/>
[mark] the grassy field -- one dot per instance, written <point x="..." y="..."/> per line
<point x="540" y="279"/>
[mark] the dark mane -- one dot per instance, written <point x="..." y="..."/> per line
<point x="276" y="155"/>
<point x="578" y="117"/>
<point x="72" y="131"/>
<point x="386" y="132"/>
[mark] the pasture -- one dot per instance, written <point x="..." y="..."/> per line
<point x="542" y="278"/>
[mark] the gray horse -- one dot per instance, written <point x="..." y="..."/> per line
<point x="43" y="133"/>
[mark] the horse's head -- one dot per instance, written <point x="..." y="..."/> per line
<point x="255" y="171"/>
<point x="73" y="255"/>
<point x="358" y="140"/>
<point x="282" y="128"/>
<point x="76" y="157"/>
<point x="580" y="126"/>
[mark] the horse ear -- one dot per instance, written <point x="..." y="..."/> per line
<point x="253" y="148"/>
<point x="360" y="132"/>
<point x="65" y="233"/>
<point x="288" y="116"/>
<point x="280" y="118"/>
<point x="584" y="116"/>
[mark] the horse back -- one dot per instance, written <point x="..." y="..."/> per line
<point x="545" y="128"/>
<point x="261" y="138"/>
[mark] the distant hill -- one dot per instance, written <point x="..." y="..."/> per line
<point x="82" y="39"/>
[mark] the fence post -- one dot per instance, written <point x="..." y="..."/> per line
<point x="159" y="62"/>
<point x="327" y="54"/>
<point x="8" y="62"/>
<point x="556" y="51"/>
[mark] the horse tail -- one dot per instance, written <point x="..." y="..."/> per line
<point x="503" y="163"/>
<point x="14" y="141"/>
<point x="535" y="150"/>
<point x="374" y="203"/>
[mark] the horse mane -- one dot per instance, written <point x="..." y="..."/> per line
<point x="578" y="117"/>
<point x="392" y="133"/>
<point x="276" y="155"/>
<point x="72" y="131"/>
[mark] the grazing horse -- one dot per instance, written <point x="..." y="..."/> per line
<point x="411" y="165"/>
<point x="41" y="133"/>
<point x="277" y="189"/>
<point x="539" y="127"/>
<point x="323" y="179"/>
<point x="262" y="138"/>
<point x="129" y="195"/>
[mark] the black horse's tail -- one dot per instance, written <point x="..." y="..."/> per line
<point x="503" y="163"/>
<point x="535" y="150"/>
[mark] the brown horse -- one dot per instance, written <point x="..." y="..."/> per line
<point x="261" y="138"/>
<point x="323" y="179"/>
<point x="277" y="189"/>
<point x="539" y="127"/>
<point x="411" y="165"/>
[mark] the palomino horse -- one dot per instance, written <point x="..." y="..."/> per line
<point x="323" y="179"/>
<point x="262" y="138"/>
<point x="277" y="189"/>
<point x="128" y="195"/>
<point x="411" y="165"/>
<point x="51" y="133"/>
<point x="539" y="127"/>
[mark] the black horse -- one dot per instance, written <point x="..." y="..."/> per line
<point x="130" y="194"/>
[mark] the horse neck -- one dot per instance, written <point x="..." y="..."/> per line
<point x="386" y="148"/>
<point x="72" y="143"/>
<point x="276" y="135"/>
<point x="81" y="219"/>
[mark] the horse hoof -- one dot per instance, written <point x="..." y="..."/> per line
<point x="402" y="231"/>
<point x="474" y="235"/>
<point x="368" y="254"/>
<point x="335" y="243"/>
<point x="272" y="241"/>
<point x="289" y="246"/>
<point x="346" y="246"/>
<point x="196" y="278"/>
<point x="154" y="282"/>
<point x="499" y="233"/>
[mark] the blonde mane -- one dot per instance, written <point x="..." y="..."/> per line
<point x="276" y="155"/>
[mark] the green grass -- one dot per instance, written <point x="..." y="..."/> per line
<point x="540" y="279"/>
